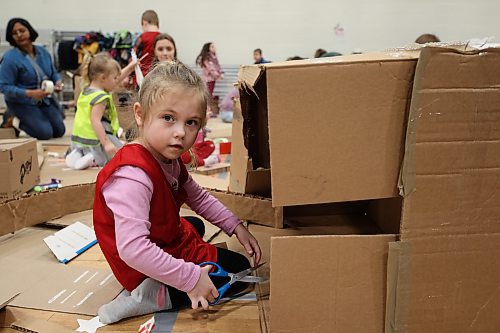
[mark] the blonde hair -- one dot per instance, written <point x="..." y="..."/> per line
<point x="101" y="63"/>
<point x="166" y="77"/>
<point x="151" y="17"/>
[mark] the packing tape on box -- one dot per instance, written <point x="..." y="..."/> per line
<point x="48" y="86"/>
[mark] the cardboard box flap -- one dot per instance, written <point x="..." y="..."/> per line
<point x="249" y="75"/>
<point x="444" y="284"/>
<point x="252" y="208"/>
<point x="239" y="155"/>
<point x="253" y="101"/>
<point x="358" y="109"/>
<point x="6" y="144"/>
<point x="453" y="139"/>
<point x="337" y="285"/>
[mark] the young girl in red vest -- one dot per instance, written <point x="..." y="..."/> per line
<point x="152" y="251"/>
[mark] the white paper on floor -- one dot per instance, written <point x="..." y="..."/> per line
<point x="89" y="326"/>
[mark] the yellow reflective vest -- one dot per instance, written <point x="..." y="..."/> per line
<point x="83" y="133"/>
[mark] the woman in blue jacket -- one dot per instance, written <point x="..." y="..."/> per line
<point x="23" y="69"/>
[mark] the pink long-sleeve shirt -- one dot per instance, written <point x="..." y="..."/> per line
<point x="128" y="195"/>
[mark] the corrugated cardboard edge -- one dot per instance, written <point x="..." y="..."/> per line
<point x="240" y="162"/>
<point x="255" y="209"/>
<point x="2" y="305"/>
<point x="35" y="325"/>
<point x="253" y="101"/>
<point x="41" y="207"/>
<point x="406" y="181"/>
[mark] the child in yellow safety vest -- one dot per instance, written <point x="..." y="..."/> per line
<point x="94" y="140"/>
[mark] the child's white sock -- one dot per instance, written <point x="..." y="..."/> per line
<point x="86" y="161"/>
<point x="150" y="296"/>
<point x="211" y="160"/>
<point x="72" y="157"/>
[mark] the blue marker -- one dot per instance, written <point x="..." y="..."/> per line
<point x="40" y="188"/>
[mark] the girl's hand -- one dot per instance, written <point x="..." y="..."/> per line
<point x="36" y="93"/>
<point x="249" y="242"/>
<point x="204" y="291"/>
<point x="110" y="149"/>
<point x="59" y="86"/>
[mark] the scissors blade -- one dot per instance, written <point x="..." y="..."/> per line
<point x="238" y="276"/>
<point x="251" y="279"/>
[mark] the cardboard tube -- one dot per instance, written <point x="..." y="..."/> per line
<point x="48" y="86"/>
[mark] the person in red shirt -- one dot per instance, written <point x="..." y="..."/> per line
<point x="153" y="252"/>
<point x="145" y="43"/>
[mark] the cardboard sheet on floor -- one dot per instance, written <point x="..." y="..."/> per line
<point x="212" y="169"/>
<point x="85" y="217"/>
<point x="211" y="181"/>
<point x="24" y="259"/>
<point x="80" y="290"/>
<point x="55" y="167"/>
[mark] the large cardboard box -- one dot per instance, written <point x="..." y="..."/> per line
<point x="445" y="273"/>
<point x="18" y="167"/>
<point x="433" y="264"/>
<point x="324" y="130"/>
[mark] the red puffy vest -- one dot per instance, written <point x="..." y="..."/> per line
<point x="170" y="232"/>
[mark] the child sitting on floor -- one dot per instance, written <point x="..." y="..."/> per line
<point x="94" y="138"/>
<point x="153" y="252"/>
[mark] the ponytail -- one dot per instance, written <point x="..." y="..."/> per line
<point x="87" y="58"/>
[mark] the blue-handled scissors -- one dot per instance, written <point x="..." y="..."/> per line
<point x="243" y="276"/>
